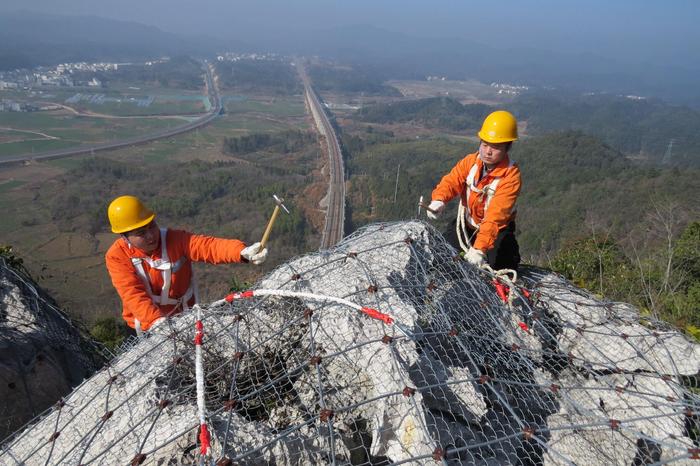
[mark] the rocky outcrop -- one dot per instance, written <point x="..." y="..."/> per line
<point x="431" y="366"/>
<point x="42" y="355"/>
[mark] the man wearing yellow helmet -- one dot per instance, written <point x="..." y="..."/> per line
<point x="151" y="267"/>
<point x="488" y="184"/>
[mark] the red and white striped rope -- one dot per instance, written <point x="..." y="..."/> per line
<point x="204" y="438"/>
<point x="373" y="313"/>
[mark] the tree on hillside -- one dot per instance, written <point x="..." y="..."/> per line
<point x="657" y="269"/>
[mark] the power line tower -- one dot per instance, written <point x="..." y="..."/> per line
<point x="666" y="159"/>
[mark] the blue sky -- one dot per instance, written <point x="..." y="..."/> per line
<point x="625" y="30"/>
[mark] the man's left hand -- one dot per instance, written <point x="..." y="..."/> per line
<point x="475" y="257"/>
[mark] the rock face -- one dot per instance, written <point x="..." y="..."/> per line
<point x="42" y="355"/>
<point x="443" y="371"/>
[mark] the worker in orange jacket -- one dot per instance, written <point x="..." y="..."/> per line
<point x="488" y="184"/>
<point x="151" y="267"/>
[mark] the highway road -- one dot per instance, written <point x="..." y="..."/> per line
<point x="333" y="230"/>
<point x="214" y="97"/>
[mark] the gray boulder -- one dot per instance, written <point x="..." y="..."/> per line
<point x="42" y="355"/>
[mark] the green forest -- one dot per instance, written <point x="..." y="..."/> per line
<point x="637" y="127"/>
<point x="349" y="80"/>
<point x="282" y="142"/>
<point x="633" y="126"/>
<point x="435" y="112"/>
<point x="274" y="77"/>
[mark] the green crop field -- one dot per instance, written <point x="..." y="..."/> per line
<point x="34" y="146"/>
<point x="67" y="163"/>
<point x="256" y="123"/>
<point x="34" y="120"/>
<point x="71" y="130"/>
<point x="10" y="184"/>
<point x="161" y="106"/>
<point x="283" y="107"/>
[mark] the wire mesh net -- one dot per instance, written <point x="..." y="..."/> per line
<point x="387" y="349"/>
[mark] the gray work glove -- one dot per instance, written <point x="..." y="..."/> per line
<point x="253" y="254"/>
<point x="475" y="257"/>
<point x="437" y="207"/>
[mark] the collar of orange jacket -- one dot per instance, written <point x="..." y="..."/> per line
<point x="498" y="170"/>
<point x="137" y="252"/>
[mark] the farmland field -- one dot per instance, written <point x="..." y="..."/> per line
<point x="49" y="206"/>
<point x="62" y="129"/>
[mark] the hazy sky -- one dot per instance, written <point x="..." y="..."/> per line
<point x="665" y="32"/>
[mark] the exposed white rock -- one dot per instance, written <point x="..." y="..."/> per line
<point x="42" y="355"/>
<point x="457" y="376"/>
<point x="608" y="335"/>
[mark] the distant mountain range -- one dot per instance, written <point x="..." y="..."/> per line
<point x="28" y="39"/>
<point x="403" y="56"/>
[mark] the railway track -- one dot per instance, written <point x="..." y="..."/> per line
<point x="333" y="230"/>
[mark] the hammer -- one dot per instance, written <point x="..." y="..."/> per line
<point x="266" y="235"/>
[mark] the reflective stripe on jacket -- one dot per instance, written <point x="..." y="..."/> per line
<point x="489" y="201"/>
<point x="182" y="248"/>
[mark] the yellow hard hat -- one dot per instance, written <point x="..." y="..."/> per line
<point x="499" y="126"/>
<point x="128" y="213"/>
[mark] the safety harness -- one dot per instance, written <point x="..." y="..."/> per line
<point x="463" y="213"/>
<point x="166" y="268"/>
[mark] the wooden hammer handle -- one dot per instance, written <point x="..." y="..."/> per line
<point x="266" y="235"/>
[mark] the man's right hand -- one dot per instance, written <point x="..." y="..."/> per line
<point x="435" y="209"/>
<point x="475" y="257"/>
<point x="254" y="255"/>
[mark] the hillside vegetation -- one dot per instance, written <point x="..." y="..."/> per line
<point x="435" y="112"/>
<point x="633" y="126"/>
<point x="349" y="80"/>
<point x="274" y="77"/>
<point x="640" y="128"/>
<point x="218" y="198"/>
<point x="283" y="142"/>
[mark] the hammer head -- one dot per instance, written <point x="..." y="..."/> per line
<point x="279" y="201"/>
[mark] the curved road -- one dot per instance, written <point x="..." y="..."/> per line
<point x="213" y="92"/>
<point x="333" y="229"/>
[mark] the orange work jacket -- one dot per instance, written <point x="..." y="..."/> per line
<point x="182" y="248"/>
<point x="489" y="201"/>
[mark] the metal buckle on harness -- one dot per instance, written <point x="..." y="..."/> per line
<point x="156" y="264"/>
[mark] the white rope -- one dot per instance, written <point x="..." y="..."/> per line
<point x="373" y="313"/>
<point x="461" y="229"/>
<point x="287" y="294"/>
<point x="503" y="274"/>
